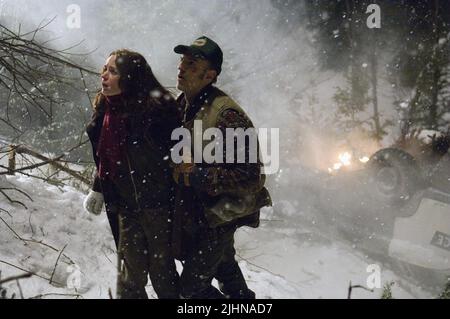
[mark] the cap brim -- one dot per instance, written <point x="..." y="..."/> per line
<point x="184" y="49"/>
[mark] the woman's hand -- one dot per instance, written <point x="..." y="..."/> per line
<point x="93" y="203"/>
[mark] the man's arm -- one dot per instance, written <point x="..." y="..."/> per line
<point x="233" y="177"/>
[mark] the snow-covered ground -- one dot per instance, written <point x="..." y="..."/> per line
<point x="280" y="259"/>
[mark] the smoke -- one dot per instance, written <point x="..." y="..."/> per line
<point x="270" y="60"/>
<point x="270" y="63"/>
<point x="263" y="66"/>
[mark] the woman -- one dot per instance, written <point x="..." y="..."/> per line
<point x="130" y="135"/>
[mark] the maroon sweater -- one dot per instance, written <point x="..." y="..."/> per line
<point x="112" y="143"/>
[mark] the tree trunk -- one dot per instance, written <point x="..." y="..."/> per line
<point x="432" y="115"/>
<point x="374" y="83"/>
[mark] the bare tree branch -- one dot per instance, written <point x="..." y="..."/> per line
<point x="56" y="264"/>
<point x="56" y="294"/>
<point x="350" y="288"/>
<point x="4" y="210"/>
<point x="27" y="64"/>
<point x="12" y="200"/>
<point x="11" y="229"/>
<point x="29" y="272"/>
<point x="4" y="281"/>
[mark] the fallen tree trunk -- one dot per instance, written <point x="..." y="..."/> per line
<point x="20" y="149"/>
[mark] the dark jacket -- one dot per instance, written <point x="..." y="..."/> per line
<point x="144" y="178"/>
<point x="214" y="186"/>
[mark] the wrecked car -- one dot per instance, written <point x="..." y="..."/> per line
<point x="395" y="206"/>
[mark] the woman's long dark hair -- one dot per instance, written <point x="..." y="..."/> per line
<point x="139" y="86"/>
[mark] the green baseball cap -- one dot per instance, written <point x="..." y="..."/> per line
<point x="205" y="48"/>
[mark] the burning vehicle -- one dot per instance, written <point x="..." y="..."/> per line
<point x="395" y="205"/>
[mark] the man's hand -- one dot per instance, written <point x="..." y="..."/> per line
<point x="93" y="203"/>
<point x="182" y="169"/>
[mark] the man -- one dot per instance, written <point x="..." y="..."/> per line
<point x="213" y="199"/>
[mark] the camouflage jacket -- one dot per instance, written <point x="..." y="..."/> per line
<point x="225" y="192"/>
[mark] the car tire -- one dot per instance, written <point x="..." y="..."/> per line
<point x="394" y="175"/>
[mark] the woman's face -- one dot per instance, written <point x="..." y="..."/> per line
<point x="110" y="77"/>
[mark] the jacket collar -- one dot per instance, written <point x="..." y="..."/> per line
<point x="203" y="98"/>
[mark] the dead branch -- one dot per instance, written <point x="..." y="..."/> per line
<point x="18" y="190"/>
<point x="26" y="168"/>
<point x="20" y="289"/>
<point x="29" y="272"/>
<point x="14" y="232"/>
<point x="9" y="148"/>
<point x="53" y="182"/>
<point x="56" y="294"/>
<point x="48" y="246"/>
<point x="29" y="223"/>
<point x="265" y="269"/>
<point x="28" y="161"/>
<point x="271" y="220"/>
<point x="56" y="264"/>
<point x="7" y="122"/>
<point x="24" y="150"/>
<point x="4" y="281"/>
<point x="4" y="210"/>
<point x="85" y="87"/>
<point x="31" y="69"/>
<point x="350" y="288"/>
<point x="107" y="257"/>
<point x="81" y="143"/>
<point x="12" y="200"/>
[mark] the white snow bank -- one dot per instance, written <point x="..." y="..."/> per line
<point x="278" y="260"/>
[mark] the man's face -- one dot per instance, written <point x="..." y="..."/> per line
<point x="193" y="74"/>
